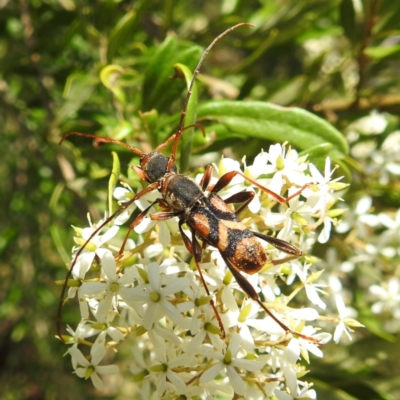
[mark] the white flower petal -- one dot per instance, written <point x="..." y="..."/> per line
<point x="236" y="381"/>
<point x="107" y="369"/>
<point x="81" y="372"/>
<point x="164" y="235"/>
<point x="305" y="314"/>
<point x="153" y="273"/>
<point x="248" y="365"/>
<point x="211" y="372"/>
<point x="173" y="313"/>
<point x="78" y="357"/>
<point x="91" y="288"/>
<point x="234" y="343"/>
<point x="326" y="232"/>
<point x="196" y="342"/>
<point x="291" y="378"/>
<point x="175" y="286"/>
<point x="98" y="351"/>
<point x="109" y="267"/>
<point x="177" y="382"/>
<point x="122" y="194"/>
<point x="104" y="307"/>
<point x="97" y="382"/>
<point x="83" y="264"/>
<point x="111" y="232"/>
<point x="115" y="334"/>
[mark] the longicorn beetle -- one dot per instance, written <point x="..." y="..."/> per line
<point x="204" y="212"/>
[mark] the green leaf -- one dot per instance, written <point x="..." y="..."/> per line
<point x="121" y="34"/>
<point x="343" y="168"/>
<point x="150" y="124"/>
<point x="317" y="155"/>
<point x="348" y="19"/>
<point x="218" y="139"/>
<point x="321" y="150"/>
<point x="261" y="120"/>
<point x="290" y="92"/>
<point x="110" y="74"/>
<point x="78" y="89"/>
<point x="380" y="52"/>
<point x="159" y="90"/>
<point x="190" y="118"/>
<point x="113" y="181"/>
<point x="327" y="391"/>
<point x="109" y="77"/>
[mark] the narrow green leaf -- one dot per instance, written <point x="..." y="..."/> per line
<point x="348" y="19"/>
<point x="290" y="92"/>
<point x="159" y="89"/>
<point x="57" y="236"/>
<point x="190" y="118"/>
<point x="321" y="150"/>
<point x="331" y="392"/>
<point x="113" y="181"/>
<point x="78" y="89"/>
<point x="110" y="74"/>
<point x="381" y="52"/>
<point x="123" y="32"/>
<point x="103" y="17"/>
<point x="150" y="125"/>
<point x="343" y="168"/>
<point x="109" y="77"/>
<point x="217" y="139"/>
<point x="261" y="120"/>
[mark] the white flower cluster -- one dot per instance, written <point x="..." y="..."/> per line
<point x="372" y="225"/>
<point x="151" y="296"/>
<point x="380" y="158"/>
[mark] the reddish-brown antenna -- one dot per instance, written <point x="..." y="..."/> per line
<point x="180" y="130"/>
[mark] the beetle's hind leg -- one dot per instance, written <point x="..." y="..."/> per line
<point x="194" y="248"/>
<point x="227" y="178"/>
<point x="251" y="292"/>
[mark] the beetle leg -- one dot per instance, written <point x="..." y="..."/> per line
<point x="298" y="192"/>
<point x="281" y="245"/>
<point x="227" y="178"/>
<point x="177" y="135"/>
<point x="134" y="224"/>
<point x="164" y="144"/>
<point x="149" y="189"/>
<point x="173" y="136"/>
<point x="194" y="248"/>
<point x="251" y="292"/>
<point x="164" y="215"/>
<point x="241" y="197"/>
<point x="139" y="172"/>
<point x="205" y="180"/>
<point x="163" y="204"/>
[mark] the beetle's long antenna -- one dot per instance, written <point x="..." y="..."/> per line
<point x="100" y="139"/>
<point x="179" y="132"/>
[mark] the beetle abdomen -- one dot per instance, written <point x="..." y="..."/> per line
<point x="220" y="227"/>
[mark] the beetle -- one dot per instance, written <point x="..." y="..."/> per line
<point x="201" y="209"/>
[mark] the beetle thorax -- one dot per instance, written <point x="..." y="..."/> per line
<point x="154" y="165"/>
<point x="180" y="192"/>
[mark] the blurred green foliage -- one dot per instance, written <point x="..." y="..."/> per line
<point x="105" y="67"/>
